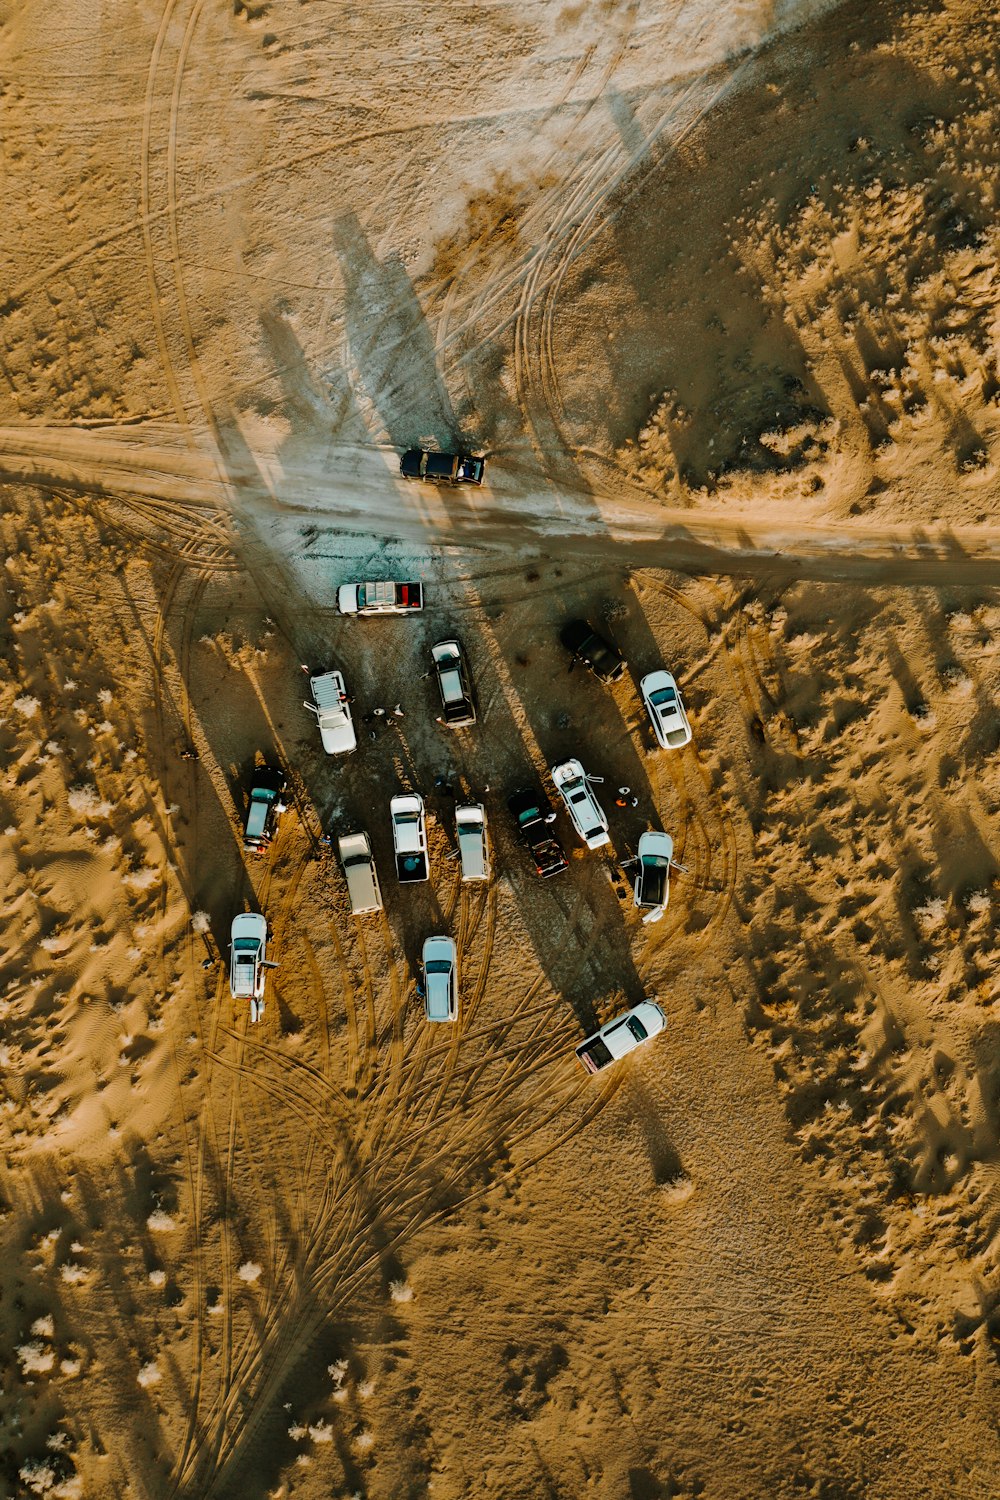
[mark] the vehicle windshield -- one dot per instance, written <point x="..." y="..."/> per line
<point x="636" y="1027"/>
<point x="247" y="946"/>
<point x="439" y="966"/>
<point x="665" y="696"/>
<point x="528" y="816"/>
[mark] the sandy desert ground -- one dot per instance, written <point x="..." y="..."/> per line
<point x="715" y="287"/>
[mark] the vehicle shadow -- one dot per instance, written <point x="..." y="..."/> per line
<point x="391" y="345"/>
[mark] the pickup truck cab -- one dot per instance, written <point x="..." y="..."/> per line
<point x="409" y="836"/>
<point x="534" y="816"/>
<point x="621" y="1036"/>
<point x="442" y="468"/>
<point x="359" y="871"/>
<point x="380" y="598"/>
<point x="473" y="851"/>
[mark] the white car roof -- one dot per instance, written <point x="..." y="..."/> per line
<point x="249" y="924"/>
<point x="473" y="814"/>
<point x="618" y="1038"/>
<point x="437" y="948"/>
<point x="656" y="845"/>
<point x="407" y="802"/>
<point x="655" y="680"/>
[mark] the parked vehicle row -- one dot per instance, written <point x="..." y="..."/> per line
<point x="530" y="809"/>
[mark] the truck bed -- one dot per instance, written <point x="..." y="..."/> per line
<point x="412" y="866"/>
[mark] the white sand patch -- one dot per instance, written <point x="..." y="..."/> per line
<point x="160" y="1222"/>
<point x="141" y="880"/>
<point x="35" y="1358"/>
<point x="321" y="1432"/>
<point x="400" y="1291"/>
<point x="149" y="1374"/>
<point x="27" y="706"/>
<point x="40" y="1478"/>
<point x="249" y="1272"/>
<point x="44" y="1327"/>
<point x="157" y="1278"/>
<point x="201" y="921"/>
<point x="86" y="802"/>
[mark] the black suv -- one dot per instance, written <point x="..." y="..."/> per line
<point x="533" y="815"/>
<point x="442" y="468"/>
<point x="584" y="644"/>
<point x="266" y="806"/>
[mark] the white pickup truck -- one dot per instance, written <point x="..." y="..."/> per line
<point x="379" y="598"/>
<point x="409" y="836"/>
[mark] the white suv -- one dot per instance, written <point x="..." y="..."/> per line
<point x="439" y="961"/>
<point x="586" y="813"/>
<point x="652" y="876"/>
<point x="248" y="963"/>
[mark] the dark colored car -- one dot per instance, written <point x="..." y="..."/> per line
<point x="266" y="806"/>
<point x="533" y="815"/>
<point x="442" y="468"/>
<point x="584" y="644"/>
<point x="457" y="706"/>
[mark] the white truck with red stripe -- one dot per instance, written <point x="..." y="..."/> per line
<point x="379" y="598"/>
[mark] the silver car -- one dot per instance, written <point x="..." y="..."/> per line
<point x="440" y="966"/>
<point x="665" y="708"/>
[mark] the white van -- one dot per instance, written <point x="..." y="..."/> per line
<point x="359" y="872"/>
<point x="470" y="822"/>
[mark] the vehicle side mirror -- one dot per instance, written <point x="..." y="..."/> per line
<point x="311" y="707"/>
